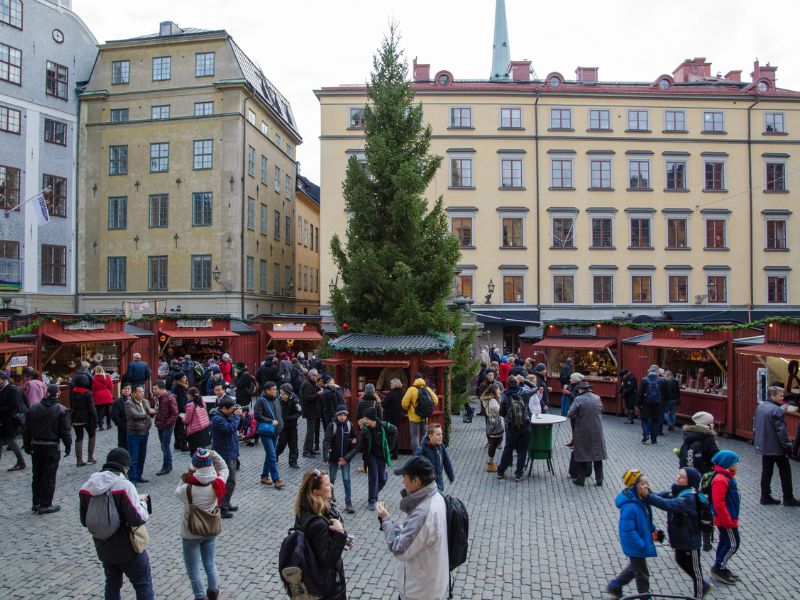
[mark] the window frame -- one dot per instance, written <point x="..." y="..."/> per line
<point x="516" y="278"/>
<point x="250" y="273"/>
<point x="458" y="122"/>
<point x="264" y="170"/>
<point x="56" y="265"/>
<point x="163" y="74"/>
<point x="561" y="173"/>
<point x="510" y="115"/>
<point x="598" y="119"/>
<point x="562" y="232"/>
<point x="115" y="274"/>
<point x="264" y="220"/>
<point x="158" y="112"/>
<point x="57" y="198"/>
<point x="51" y="127"/>
<point x="115" y="113"/>
<point x="158" y="206"/>
<point x="458" y="232"/>
<point x="12" y="66"/>
<point x="200" y="271"/>
<point x="596" y="168"/>
<point x="251" y="162"/>
<point x="594" y="231"/>
<point x="636" y="166"/>
<point x="118" y="215"/>
<point x="276" y="226"/>
<point x="263" y="276"/>
<point x="716" y="121"/>
<point x="561" y="119"/>
<point x="774" y="221"/>
<point x="204" y="67"/>
<point x="605" y="278"/>
<point x="679" y="178"/>
<point x="513" y="234"/>
<point x="641" y="278"/>
<point x="123" y="69"/>
<point x="160" y="162"/>
<point x="465" y="181"/>
<point x="635" y="120"/>
<point x="772" y="280"/>
<point x="566" y="288"/>
<point x="15" y="8"/>
<point x="770" y="115"/>
<point x="509" y="165"/>
<point x="681" y="284"/>
<point x="202" y="209"/>
<point x="118" y="166"/>
<point x="250" y="221"/>
<point x="710" y="225"/>
<point x="715" y="187"/>
<point x="204" y="159"/>
<point x="10" y="187"/>
<point x="773" y="183"/>
<point x="57" y="82"/>
<point x="640" y="228"/>
<point x="465" y="282"/>
<point x="717" y="277"/>
<point x="203" y="106"/>
<point x="676" y="117"/>
<point x="7" y="120"/>
<point x="277" y="179"/>
<point x="670" y="230"/>
<point x="355" y="117"/>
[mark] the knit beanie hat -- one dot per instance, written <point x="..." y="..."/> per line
<point x="693" y="476"/>
<point x="631" y="477"/>
<point x="703" y="418"/>
<point x="118" y="459"/>
<point x="369" y="389"/>
<point x="287" y="387"/>
<point x="53" y="389"/>
<point x="341" y="410"/>
<point x="202" y="458"/>
<point x="725" y="459"/>
<point x="326" y="378"/>
<point x="371" y="414"/>
<point x="540" y="367"/>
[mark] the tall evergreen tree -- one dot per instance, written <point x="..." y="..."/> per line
<point x="397" y="263"/>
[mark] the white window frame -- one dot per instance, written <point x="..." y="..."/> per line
<point x="603" y="215"/>
<point x="561" y="110"/>
<point x="562" y="158"/>
<point x="602" y="158"/>
<point x="572" y="216"/>
<point x="600" y="120"/>
<point x="681" y="217"/>
<point x="511" y="117"/>
<point x="641" y="273"/>
<point x="251" y="117"/>
<point x="451" y="123"/>
<point x="461" y="156"/>
<point x="717" y="273"/>
<point x="785" y="220"/>
<point x="717" y="217"/>
<point x="456" y="214"/>
<point x="513" y="157"/>
<point x="772" y="113"/>
<point x="713" y="121"/>
<point x="666" y="122"/>
<point x="776" y="161"/>
<point x="638" y="110"/>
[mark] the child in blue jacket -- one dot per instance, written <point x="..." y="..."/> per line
<point x="637" y="534"/>
<point x="433" y="449"/>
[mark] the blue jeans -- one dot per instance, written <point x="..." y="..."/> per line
<point x="376" y="471"/>
<point x="270" y="458"/>
<point x="345" y="468"/>
<point x="728" y="546"/>
<point x="565" y="402"/>
<point x="137" y="570"/>
<point x="669" y="412"/>
<point x="414" y="430"/>
<point x="195" y="551"/>
<point x="165" y="438"/>
<point x="137" y="447"/>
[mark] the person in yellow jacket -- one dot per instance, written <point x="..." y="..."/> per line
<point x="416" y="425"/>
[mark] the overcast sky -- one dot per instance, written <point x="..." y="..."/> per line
<point x="302" y="45"/>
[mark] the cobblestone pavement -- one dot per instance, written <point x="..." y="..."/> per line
<point x="541" y="538"/>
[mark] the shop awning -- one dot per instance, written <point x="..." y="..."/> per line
<point x="366" y="362"/>
<point x="682" y="344"/>
<point x="437" y="362"/>
<point x="14" y="348"/>
<point x="91" y="337"/>
<point x="182" y="334"/>
<point x="576" y="343"/>
<point x="335" y="361"/>
<point x="780" y="350"/>
<point x="242" y="328"/>
<point x="138" y="331"/>
<point x="310" y="335"/>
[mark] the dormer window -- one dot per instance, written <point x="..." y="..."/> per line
<point x="554" y="80"/>
<point x="444" y="78"/>
<point x="762" y="86"/>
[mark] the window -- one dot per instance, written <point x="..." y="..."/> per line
<point x="638" y="120"/>
<point x="715" y="176"/>
<point x="602" y="236"/>
<point x="201" y="271"/>
<point x="316" y="239"/>
<point x="511" y="118"/>
<point x="776" y="289"/>
<point x="640" y="233"/>
<point x="461" y="172"/>
<point x="512" y="233"/>
<point x="563" y="289"/>
<point x="251" y="117"/>
<point x="311" y="238"/>
<point x="201" y="209"/>
<point x="300" y="277"/>
<point x="158" y="211"/>
<point x="713" y="122"/>
<point x="56" y="198"/>
<point x="264" y="129"/>
<point x="11" y="13"/>
<point x="641" y="289"/>
<point x="603" y="289"/>
<point x="678" y="288"/>
<point x="9" y="187"/>
<point x="513" y="291"/>
<point x="120" y="72"/>
<point x="160" y="112"/>
<point x="250" y="275"/>
<point x="511" y="173"/>
<point x="600" y="119"/>
<point x="159" y="157"/>
<point x="717" y="289"/>
<point x="287" y="187"/>
<point x="776" y="177"/>
<point x="251" y="213"/>
<point x="118" y="212"/>
<point x="601" y="174"/>
<point x="561" y="174"/>
<point x="462" y="229"/>
<point x="639" y="171"/>
<point x="715" y="234"/>
<point x="264" y="219"/>
<point x="276" y="278"/>
<point x="676" y="175"/>
<point x="305" y="234"/>
<point x="674" y="120"/>
<point x="117" y="267"/>
<point x="278" y="140"/>
<point x="677" y="233"/>
<point x="262" y="276"/>
<point x="288" y="150"/>
<point x="560" y="118"/>
<point x="10" y="64"/>
<point x="464" y="286"/>
<point x="277" y="180"/>
<point x="251" y="161"/>
<point x="55" y="132"/>
<point x="203" y="155"/>
<point x="773" y="122"/>
<point x="288" y="221"/>
<point x="162" y="67"/>
<point x="460" y="116"/>
<point x="54" y="265"/>
<point x="10" y="120"/>
<point x="264" y="172"/>
<point x="204" y="64"/>
<point x="299" y="232"/>
<point x="202" y="109"/>
<point x="276" y="227"/>
<point x="10" y="265"/>
<point x="117" y="160"/>
<point x="776" y="234"/>
<point x="356" y="118"/>
<point x="119" y="115"/>
<point x="305" y="279"/>
<point x="56" y="79"/>
<point x="563" y="233"/>
<point x="156" y="272"/>
<point x="287" y="272"/>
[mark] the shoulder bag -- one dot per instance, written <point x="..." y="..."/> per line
<point x="201" y="521"/>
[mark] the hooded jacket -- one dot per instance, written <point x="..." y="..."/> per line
<point x="725" y="498"/>
<point x="699" y="445"/>
<point x="203" y="495"/>
<point x="683" y="522"/>
<point x="368" y="401"/>
<point x="635" y="525"/>
<point x="378" y="441"/>
<point x="101" y="389"/>
<point x="35" y="390"/>
<point x="132" y="513"/>
<point x="409" y="402"/>
<point x="340" y="441"/>
<point x="290" y="410"/>
<point x="327" y="546"/>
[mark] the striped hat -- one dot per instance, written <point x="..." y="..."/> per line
<point x="202" y="458"/>
<point x="631" y="477"/>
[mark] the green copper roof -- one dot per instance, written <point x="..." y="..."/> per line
<point x="364" y="343"/>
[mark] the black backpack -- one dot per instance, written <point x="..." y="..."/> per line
<point x="457" y="534"/>
<point x="704" y="514"/>
<point x="424" y="406"/>
<point x="300" y="571"/>
<point x="653" y="391"/>
<point x="691" y="455"/>
<point x="517" y="415"/>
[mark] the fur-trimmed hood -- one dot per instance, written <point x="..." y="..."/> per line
<point x="700" y="430"/>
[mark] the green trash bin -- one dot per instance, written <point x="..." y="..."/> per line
<point x="540" y="445"/>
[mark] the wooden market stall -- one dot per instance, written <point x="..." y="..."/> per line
<point x="199" y="337"/>
<point x="248" y="347"/>
<point x="360" y="359"/>
<point x="292" y="333"/>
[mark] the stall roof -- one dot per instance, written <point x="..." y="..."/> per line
<point x="536" y="333"/>
<point x="198" y="333"/>
<point x="137" y="331"/>
<point x="11" y="348"/>
<point x="91" y="337"/>
<point x="682" y="344"/>
<point x="337" y="360"/>
<point x="576" y="343"/>
<point x="310" y="334"/>
<point x="242" y="328"/>
<point x="781" y="350"/>
<point x="376" y="362"/>
<point x="437" y="362"/>
<point x="364" y="343"/>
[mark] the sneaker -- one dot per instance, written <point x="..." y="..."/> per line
<point x="226" y="514"/>
<point x="645" y="440"/>
<point x="615" y="590"/>
<point x="518" y="478"/>
<point x="769" y="500"/>
<point x="707" y="587"/>
<point x="722" y="575"/>
<point x="732" y="575"/>
<point x="46" y="510"/>
<point x="143" y="480"/>
<point x="491" y="468"/>
<point x="371" y="506"/>
<point x="791" y="502"/>
<point x="18" y="467"/>
<point x="501" y="475"/>
<point x="349" y="509"/>
<point x="266" y="480"/>
<point x="163" y="472"/>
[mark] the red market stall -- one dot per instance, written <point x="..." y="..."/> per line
<point x="199" y="337"/>
<point x="15" y="355"/>
<point x="292" y="336"/>
<point x="246" y="348"/>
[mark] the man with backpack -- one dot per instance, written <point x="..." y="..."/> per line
<point x="110" y="507"/>
<point x="338" y="449"/>
<point x="246" y="385"/>
<point x="419" y="401"/>
<point x="651" y="399"/>
<point x="517" y="416"/>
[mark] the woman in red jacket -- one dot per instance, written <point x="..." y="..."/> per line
<point x="103" y="399"/>
<point x="225" y="366"/>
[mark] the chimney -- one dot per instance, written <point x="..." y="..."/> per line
<point x="696" y="69"/>
<point x="733" y="76"/>
<point x="421" y="72"/>
<point x="520" y="70"/>
<point x="766" y="72"/>
<point x="586" y="74"/>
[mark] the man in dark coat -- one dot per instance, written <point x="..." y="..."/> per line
<point x="138" y="373"/>
<point x="540" y="371"/>
<point x="311" y="401"/>
<point x="771" y="441"/>
<point x="268" y="371"/>
<point x="517" y="435"/>
<point x="651" y="404"/>
<point x="590" y="445"/>
<point x="628" y="390"/>
<point x="563" y="377"/>
<point x="11" y="405"/>
<point x="46" y="425"/>
<point x="291" y="411"/>
<point x="245" y="384"/>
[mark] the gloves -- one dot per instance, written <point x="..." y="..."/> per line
<point x="67" y="450"/>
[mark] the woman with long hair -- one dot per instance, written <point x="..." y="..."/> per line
<point x="101" y="390"/>
<point x="198" y="427"/>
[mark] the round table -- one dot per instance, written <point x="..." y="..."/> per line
<point x="540" y="442"/>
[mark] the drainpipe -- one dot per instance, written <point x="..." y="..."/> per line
<point x="244" y="206"/>
<point x="750" y="206"/>
<point x="538" y="225"/>
<point x="75" y="302"/>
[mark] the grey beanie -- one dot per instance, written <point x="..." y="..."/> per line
<point x="369" y="389"/>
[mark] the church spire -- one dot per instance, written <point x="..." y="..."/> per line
<point x="501" y="54"/>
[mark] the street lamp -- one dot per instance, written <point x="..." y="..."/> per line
<point x="216" y="273"/>
<point x="490" y="289"/>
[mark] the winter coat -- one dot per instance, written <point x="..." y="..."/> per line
<point x="635" y="525"/>
<point x="243" y="383"/>
<point x="541" y="380"/>
<point x="132" y="512"/>
<point x="683" y="521"/>
<point x="181" y="395"/>
<point x="101" y="390"/>
<point x="137" y="417"/>
<point x="137" y="373"/>
<point x="195" y="418"/>
<point x="672" y="391"/>
<point x="492" y="409"/>
<point x="35" y="390"/>
<point x="525" y="392"/>
<point x="725" y="498"/>
<point x="700" y="444"/>
<point x="47" y="423"/>
<point x="263" y="414"/>
<point x="340" y="441"/>
<point x="419" y="546"/>
<point x="171" y="376"/>
<point x="291" y="411"/>
<point x="409" y="402"/>
<point x="225" y="434"/>
<point x="332" y="398"/>
<point x="564" y="375"/>
<point x="503" y="371"/>
<point x="118" y="413"/>
<point x="268" y="372"/>
<point x="296" y="378"/>
<point x="327" y="545"/>
<point x="393" y="407"/>
<point x="366" y="402"/>
<point x="489" y="384"/>
<point x="310" y="400"/>
<point x="645" y="383"/>
<point x="629" y="387"/>
<point x="10" y="399"/>
<point x="225" y="368"/>
<point x="284" y="371"/>
<point x="587" y="413"/>
<point x="440" y="459"/>
<point x="203" y="495"/>
<point x="167" y="413"/>
<point x="378" y="441"/>
<point x="82" y="408"/>
<point x="770" y="437"/>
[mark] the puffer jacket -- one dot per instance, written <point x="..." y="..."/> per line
<point x="699" y="445"/>
<point x="195" y="418"/>
<point x="683" y="522"/>
<point x="167" y="412"/>
<point x="340" y="441"/>
<point x="725" y="498"/>
<point x="635" y="525"/>
<point x="327" y="545"/>
<point x="82" y="408"/>
<point x="101" y="390"/>
<point x="409" y="402"/>
<point x="203" y="494"/>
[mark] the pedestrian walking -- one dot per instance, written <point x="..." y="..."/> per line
<point x="198" y="425"/>
<point x="268" y="416"/>
<point x="375" y="443"/>
<point x="419" y="401"/>
<point x="180" y="389"/>
<point x="166" y="417"/>
<point x="672" y="398"/>
<point x="564" y="378"/>
<point x="225" y="441"/>
<point x="246" y="384"/>
<point x="338" y="449"/>
<point x="332" y="397"/>
<point x="139" y="418"/>
<point x="290" y="411"/>
<point x="118" y="415"/>
<point x="433" y="449"/>
<point x="589" y="450"/>
<point x="12" y="406"/>
<point x="495" y="428"/>
<point x="311" y="403"/>
<point x="517" y="416"/>
<point x="651" y="404"/>
<point x="47" y="425"/>
<point x="109" y="492"/>
<point x="725" y="502"/>
<point x="83" y="415"/>
<point x="33" y="387"/>
<point x="629" y="391"/>
<point x="771" y="441"/>
<point x="101" y="393"/>
<point x="393" y="403"/>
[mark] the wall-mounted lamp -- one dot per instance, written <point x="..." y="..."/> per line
<point x="94" y="189"/>
<point x="232" y="181"/>
<point x="178" y="181"/>
<point x="136" y="240"/>
<point x="176" y="237"/>
<point x="216" y="273"/>
<point x="137" y="184"/>
<point x="229" y="241"/>
<point x="490" y="290"/>
<point x="94" y="245"/>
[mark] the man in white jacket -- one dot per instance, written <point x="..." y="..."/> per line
<point x="420" y="543"/>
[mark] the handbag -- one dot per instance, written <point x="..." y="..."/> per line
<point x="202" y="522"/>
<point x="267" y="428"/>
<point x="140" y="539"/>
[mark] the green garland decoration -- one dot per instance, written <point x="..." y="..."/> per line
<point x="758" y="324"/>
<point x="25" y="329"/>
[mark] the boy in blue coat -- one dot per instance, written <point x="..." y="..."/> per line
<point x="433" y="449"/>
<point x="637" y="534"/>
<point x="683" y="524"/>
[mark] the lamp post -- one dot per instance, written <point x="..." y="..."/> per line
<point x="490" y="290"/>
<point x="216" y="273"/>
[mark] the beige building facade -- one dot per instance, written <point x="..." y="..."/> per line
<point x="187" y="166"/>
<point x="307" y="242"/>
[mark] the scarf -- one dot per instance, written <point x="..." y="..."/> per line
<point x="218" y="484"/>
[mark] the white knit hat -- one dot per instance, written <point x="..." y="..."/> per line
<point x="703" y="418"/>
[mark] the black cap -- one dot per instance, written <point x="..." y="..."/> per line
<point x="419" y="467"/>
<point x="371" y="413"/>
<point x="118" y="459"/>
<point x="268" y="385"/>
<point x="53" y="389"/>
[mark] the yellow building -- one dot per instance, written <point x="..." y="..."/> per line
<point x="663" y="198"/>
<point x="307" y="247"/>
<point x="187" y="179"/>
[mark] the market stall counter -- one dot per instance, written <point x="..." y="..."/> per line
<point x="199" y="337"/>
